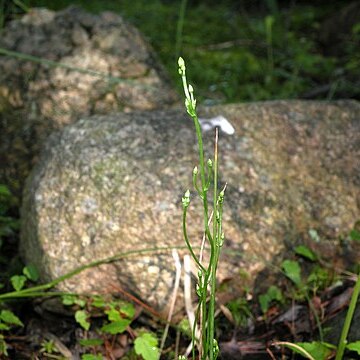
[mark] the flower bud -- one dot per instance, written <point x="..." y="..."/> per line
<point x="181" y="64"/>
<point x="221" y="196"/>
<point x="186" y="199"/>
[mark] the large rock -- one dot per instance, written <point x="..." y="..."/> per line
<point x="105" y="65"/>
<point x="111" y="184"/>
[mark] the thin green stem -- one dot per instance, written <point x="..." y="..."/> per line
<point x="203" y="181"/>
<point x="188" y="242"/>
<point x="40" y="288"/>
<point x="348" y="319"/>
<point x="316" y="316"/>
<point x="213" y="261"/>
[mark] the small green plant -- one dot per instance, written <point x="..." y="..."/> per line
<point x="50" y="351"/>
<point x="208" y="347"/>
<point x="8" y="321"/>
<point x="240" y="311"/>
<point x="320" y="350"/>
<point x="273" y="294"/>
<point x="291" y="268"/>
<point x="119" y="316"/>
<point x="146" y="345"/>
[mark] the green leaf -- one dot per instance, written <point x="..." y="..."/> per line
<point x="68" y="299"/>
<point x="116" y="327"/>
<point x="307" y="253"/>
<point x="9" y="317"/>
<point x="354" y="235"/>
<point x="80" y="302"/>
<point x="91" y="357"/>
<point x="319" y="277"/>
<point x="264" y="301"/>
<point x="319" y="350"/>
<point x="30" y="271"/>
<point x="113" y="314"/>
<point x="275" y="293"/>
<point x="4" y="327"/>
<point x="272" y="294"/>
<point x="81" y="317"/>
<point x="354" y="346"/>
<point x="4" y="190"/>
<point x="98" y="301"/>
<point x="315" y="350"/>
<point x="146" y="345"/>
<point x="18" y="282"/>
<point x="292" y="271"/>
<point x="91" y="342"/>
<point x="128" y="309"/>
<point x="3" y="346"/>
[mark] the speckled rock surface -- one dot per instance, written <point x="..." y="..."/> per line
<point x="111" y="184"/>
<point x="37" y="98"/>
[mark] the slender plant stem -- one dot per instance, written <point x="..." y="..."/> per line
<point x="215" y="239"/>
<point x="188" y="242"/>
<point x="348" y="319"/>
<point x="316" y="316"/>
<point x="42" y="288"/>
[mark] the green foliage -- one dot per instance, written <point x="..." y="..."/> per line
<point x="146" y="345"/>
<point x="91" y="342"/>
<point x="48" y="346"/>
<point x="185" y="327"/>
<point x="116" y="327"/>
<point x="18" y="282"/>
<point x="307" y="253"/>
<point x="70" y="299"/>
<point x="354" y="234"/>
<point x="91" y="357"/>
<point x="319" y="278"/>
<point x="8" y="320"/>
<point x="31" y="272"/>
<point x="8" y="317"/>
<point x="311" y="350"/>
<point x="272" y="294"/>
<point x="292" y="270"/>
<point x="354" y="346"/>
<point x="240" y="311"/>
<point x="81" y="317"/>
<point x="3" y="346"/>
